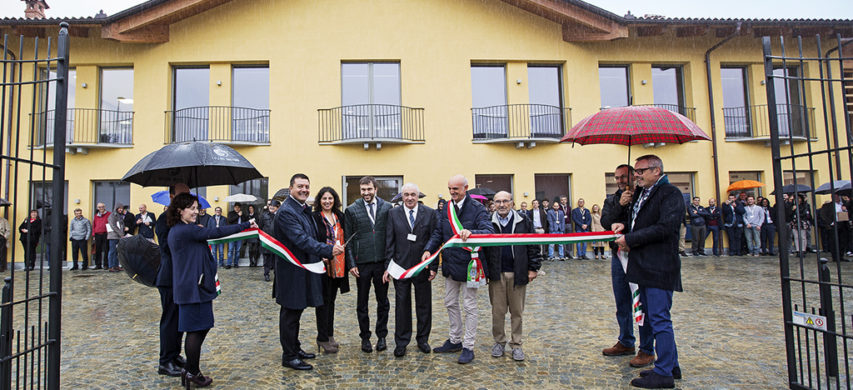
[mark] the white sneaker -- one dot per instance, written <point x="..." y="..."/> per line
<point x="517" y="354"/>
<point x="498" y="350"/>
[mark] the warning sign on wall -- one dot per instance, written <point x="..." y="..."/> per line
<point x="810" y="320"/>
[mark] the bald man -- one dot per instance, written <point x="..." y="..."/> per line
<point x="475" y="220"/>
<point x="145" y="221"/>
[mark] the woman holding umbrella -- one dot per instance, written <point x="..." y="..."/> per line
<point x="30" y="231"/>
<point x="254" y="243"/>
<point x="194" y="279"/>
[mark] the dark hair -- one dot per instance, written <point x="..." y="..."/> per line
<point x="630" y="168"/>
<point x="182" y="201"/>
<point x="441" y="203"/>
<point x="253" y="208"/>
<point x="367" y="180"/>
<point x="696" y="197"/>
<point x="298" y="176"/>
<point x="336" y="205"/>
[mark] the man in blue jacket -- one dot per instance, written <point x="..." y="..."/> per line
<point x="582" y="220"/>
<point x="295" y="288"/>
<point x="475" y="220"/>
<point x="651" y="237"/>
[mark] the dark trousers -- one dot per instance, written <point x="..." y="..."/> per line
<point x="269" y="262"/>
<point x="625" y="310"/>
<point x="657" y="304"/>
<point x="717" y="239"/>
<point x="372" y="274"/>
<point x="735" y="233"/>
<point x="30" y="253"/>
<point x="100" y="250"/>
<point x="326" y="313"/>
<point x="768" y="238"/>
<point x="170" y="337"/>
<point x="288" y="331"/>
<point x="80" y="246"/>
<point x="3" y="261"/>
<point x="699" y="235"/>
<point x="403" y="309"/>
<point x="843" y="238"/>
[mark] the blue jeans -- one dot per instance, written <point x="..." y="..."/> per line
<point x="625" y="311"/>
<point x="581" y="249"/>
<point x="657" y="303"/>
<point x="717" y="239"/>
<point x="219" y="254"/>
<point x="551" y="250"/>
<point x="768" y="237"/>
<point x="753" y="239"/>
<point x="112" y="257"/>
<point x="234" y="252"/>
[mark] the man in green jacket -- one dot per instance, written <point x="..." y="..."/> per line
<point x="366" y="219"/>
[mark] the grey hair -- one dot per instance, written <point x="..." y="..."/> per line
<point x="654" y="161"/>
<point x="410" y="185"/>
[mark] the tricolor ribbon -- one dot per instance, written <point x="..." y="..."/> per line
<point x="273" y="246"/>
<point x="635" y="290"/>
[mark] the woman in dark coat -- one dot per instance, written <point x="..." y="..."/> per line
<point x="254" y="243"/>
<point x="193" y="279"/>
<point x="330" y="221"/>
<point x="30" y="231"/>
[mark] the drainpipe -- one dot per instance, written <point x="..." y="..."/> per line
<point x="713" y="112"/>
<point x="11" y="54"/>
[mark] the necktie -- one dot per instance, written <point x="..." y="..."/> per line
<point x="456" y="208"/>
<point x="372" y="213"/>
<point x="412" y="218"/>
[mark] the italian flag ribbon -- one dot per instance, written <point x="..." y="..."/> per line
<point x="273" y="246"/>
<point x="476" y="276"/>
<point x="635" y="290"/>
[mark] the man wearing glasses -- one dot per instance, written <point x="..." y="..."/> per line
<point x="651" y="238"/>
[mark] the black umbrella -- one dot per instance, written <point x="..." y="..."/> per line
<point x="281" y="194"/>
<point x="840" y="186"/>
<point x="399" y="197"/>
<point x="196" y="164"/>
<point x="140" y="258"/>
<point x="790" y="189"/>
<point x="487" y="192"/>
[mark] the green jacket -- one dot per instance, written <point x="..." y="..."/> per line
<point x="368" y="245"/>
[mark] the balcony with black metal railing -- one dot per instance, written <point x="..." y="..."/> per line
<point x="689" y="112"/>
<point x="221" y="124"/>
<point x="85" y="128"/>
<point x="519" y="123"/>
<point x="371" y="124"/>
<point x="752" y="123"/>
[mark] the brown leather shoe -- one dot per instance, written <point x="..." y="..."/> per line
<point x="642" y="359"/>
<point x="618" y="350"/>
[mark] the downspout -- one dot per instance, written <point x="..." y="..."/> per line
<point x="713" y="113"/>
<point x="10" y="53"/>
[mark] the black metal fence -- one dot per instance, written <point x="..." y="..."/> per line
<point x="817" y="310"/>
<point x="85" y="126"/>
<point x="520" y="121"/>
<point x="689" y="112"/>
<point x="795" y="120"/>
<point x="30" y="310"/>
<point x="364" y="122"/>
<point x="218" y="124"/>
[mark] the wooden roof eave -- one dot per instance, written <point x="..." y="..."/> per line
<point x="578" y="24"/>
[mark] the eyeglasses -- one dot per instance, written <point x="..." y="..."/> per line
<point x="641" y="171"/>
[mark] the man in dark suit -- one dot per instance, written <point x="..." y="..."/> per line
<point x="582" y="220"/>
<point x="539" y="219"/>
<point x="475" y="220"/>
<point x="733" y="222"/>
<point x="295" y="288"/>
<point x="616" y="208"/>
<point x="171" y="361"/>
<point x="651" y="237"/>
<point x="408" y="230"/>
<point x="365" y="220"/>
<point x="511" y="268"/>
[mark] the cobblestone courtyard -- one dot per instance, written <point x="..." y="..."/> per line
<point x="728" y="326"/>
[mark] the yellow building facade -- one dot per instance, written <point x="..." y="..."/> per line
<point x="307" y="48"/>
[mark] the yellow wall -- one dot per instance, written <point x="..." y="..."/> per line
<point x="435" y="42"/>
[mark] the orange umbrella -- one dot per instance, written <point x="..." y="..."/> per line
<point x="744" y="185"/>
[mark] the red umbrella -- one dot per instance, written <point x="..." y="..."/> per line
<point x="634" y="125"/>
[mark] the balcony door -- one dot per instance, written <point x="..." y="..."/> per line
<point x="250" y="101"/>
<point x="116" y="108"/>
<point x="47" y="114"/>
<point x="736" y="114"/>
<point x="546" y="103"/>
<point x="488" y="101"/>
<point x="191" y="100"/>
<point x="790" y="111"/>
<point x="668" y="88"/>
<point x="370" y="100"/>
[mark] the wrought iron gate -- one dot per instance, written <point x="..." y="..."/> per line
<point x="817" y="289"/>
<point x="30" y="309"/>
